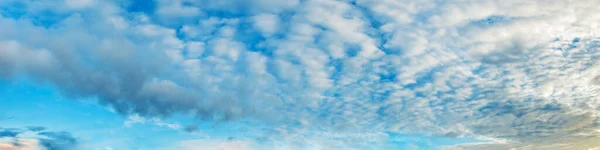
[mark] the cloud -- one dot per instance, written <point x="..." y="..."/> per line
<point x="57" y="140"/>
<point x="34" y="139"/>
<point x="508" y="70"/>
<point x="20" y="144"/>
<point x="216" y="145"/>
<point x="136" y="119"/>
<point x="80" y="3"/>
<point x="268" y="24"/>
<point x="36" y="128"/>
<point x="9" y="132"/>
<point x="545" y="143"/>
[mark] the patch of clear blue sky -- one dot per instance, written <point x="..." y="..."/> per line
<point x="426" y="142"/>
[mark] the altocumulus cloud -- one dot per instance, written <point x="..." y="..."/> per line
<point x="345" y="72"/>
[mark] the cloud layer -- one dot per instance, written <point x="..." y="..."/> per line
<point x="500" y="69"/>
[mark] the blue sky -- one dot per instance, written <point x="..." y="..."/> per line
<point x="298" y="74"/>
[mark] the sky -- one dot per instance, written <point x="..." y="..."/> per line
<point x="299" y="74"/>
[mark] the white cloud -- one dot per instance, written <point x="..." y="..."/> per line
<point x="268" y="24"/>
<point x="174" y="9"/>
<point x="78" y="4"/>
<point x="497" y="69"/>
<point x="136" y="119"/>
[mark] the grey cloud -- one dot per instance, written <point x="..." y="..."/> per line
<point x="132" y="76"/>
<point x="514" y="121"/>
<point x="116" y="72"/>
<point x="58" y="140"/>
<point x="36" y="128"/>
<point x="596" y="80"/>
<point x="9" y="132"/>
<point x="51" y="140"/>
<point x="191" y="128"/>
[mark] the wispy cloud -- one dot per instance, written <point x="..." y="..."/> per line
<point x="136" y="119"/>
